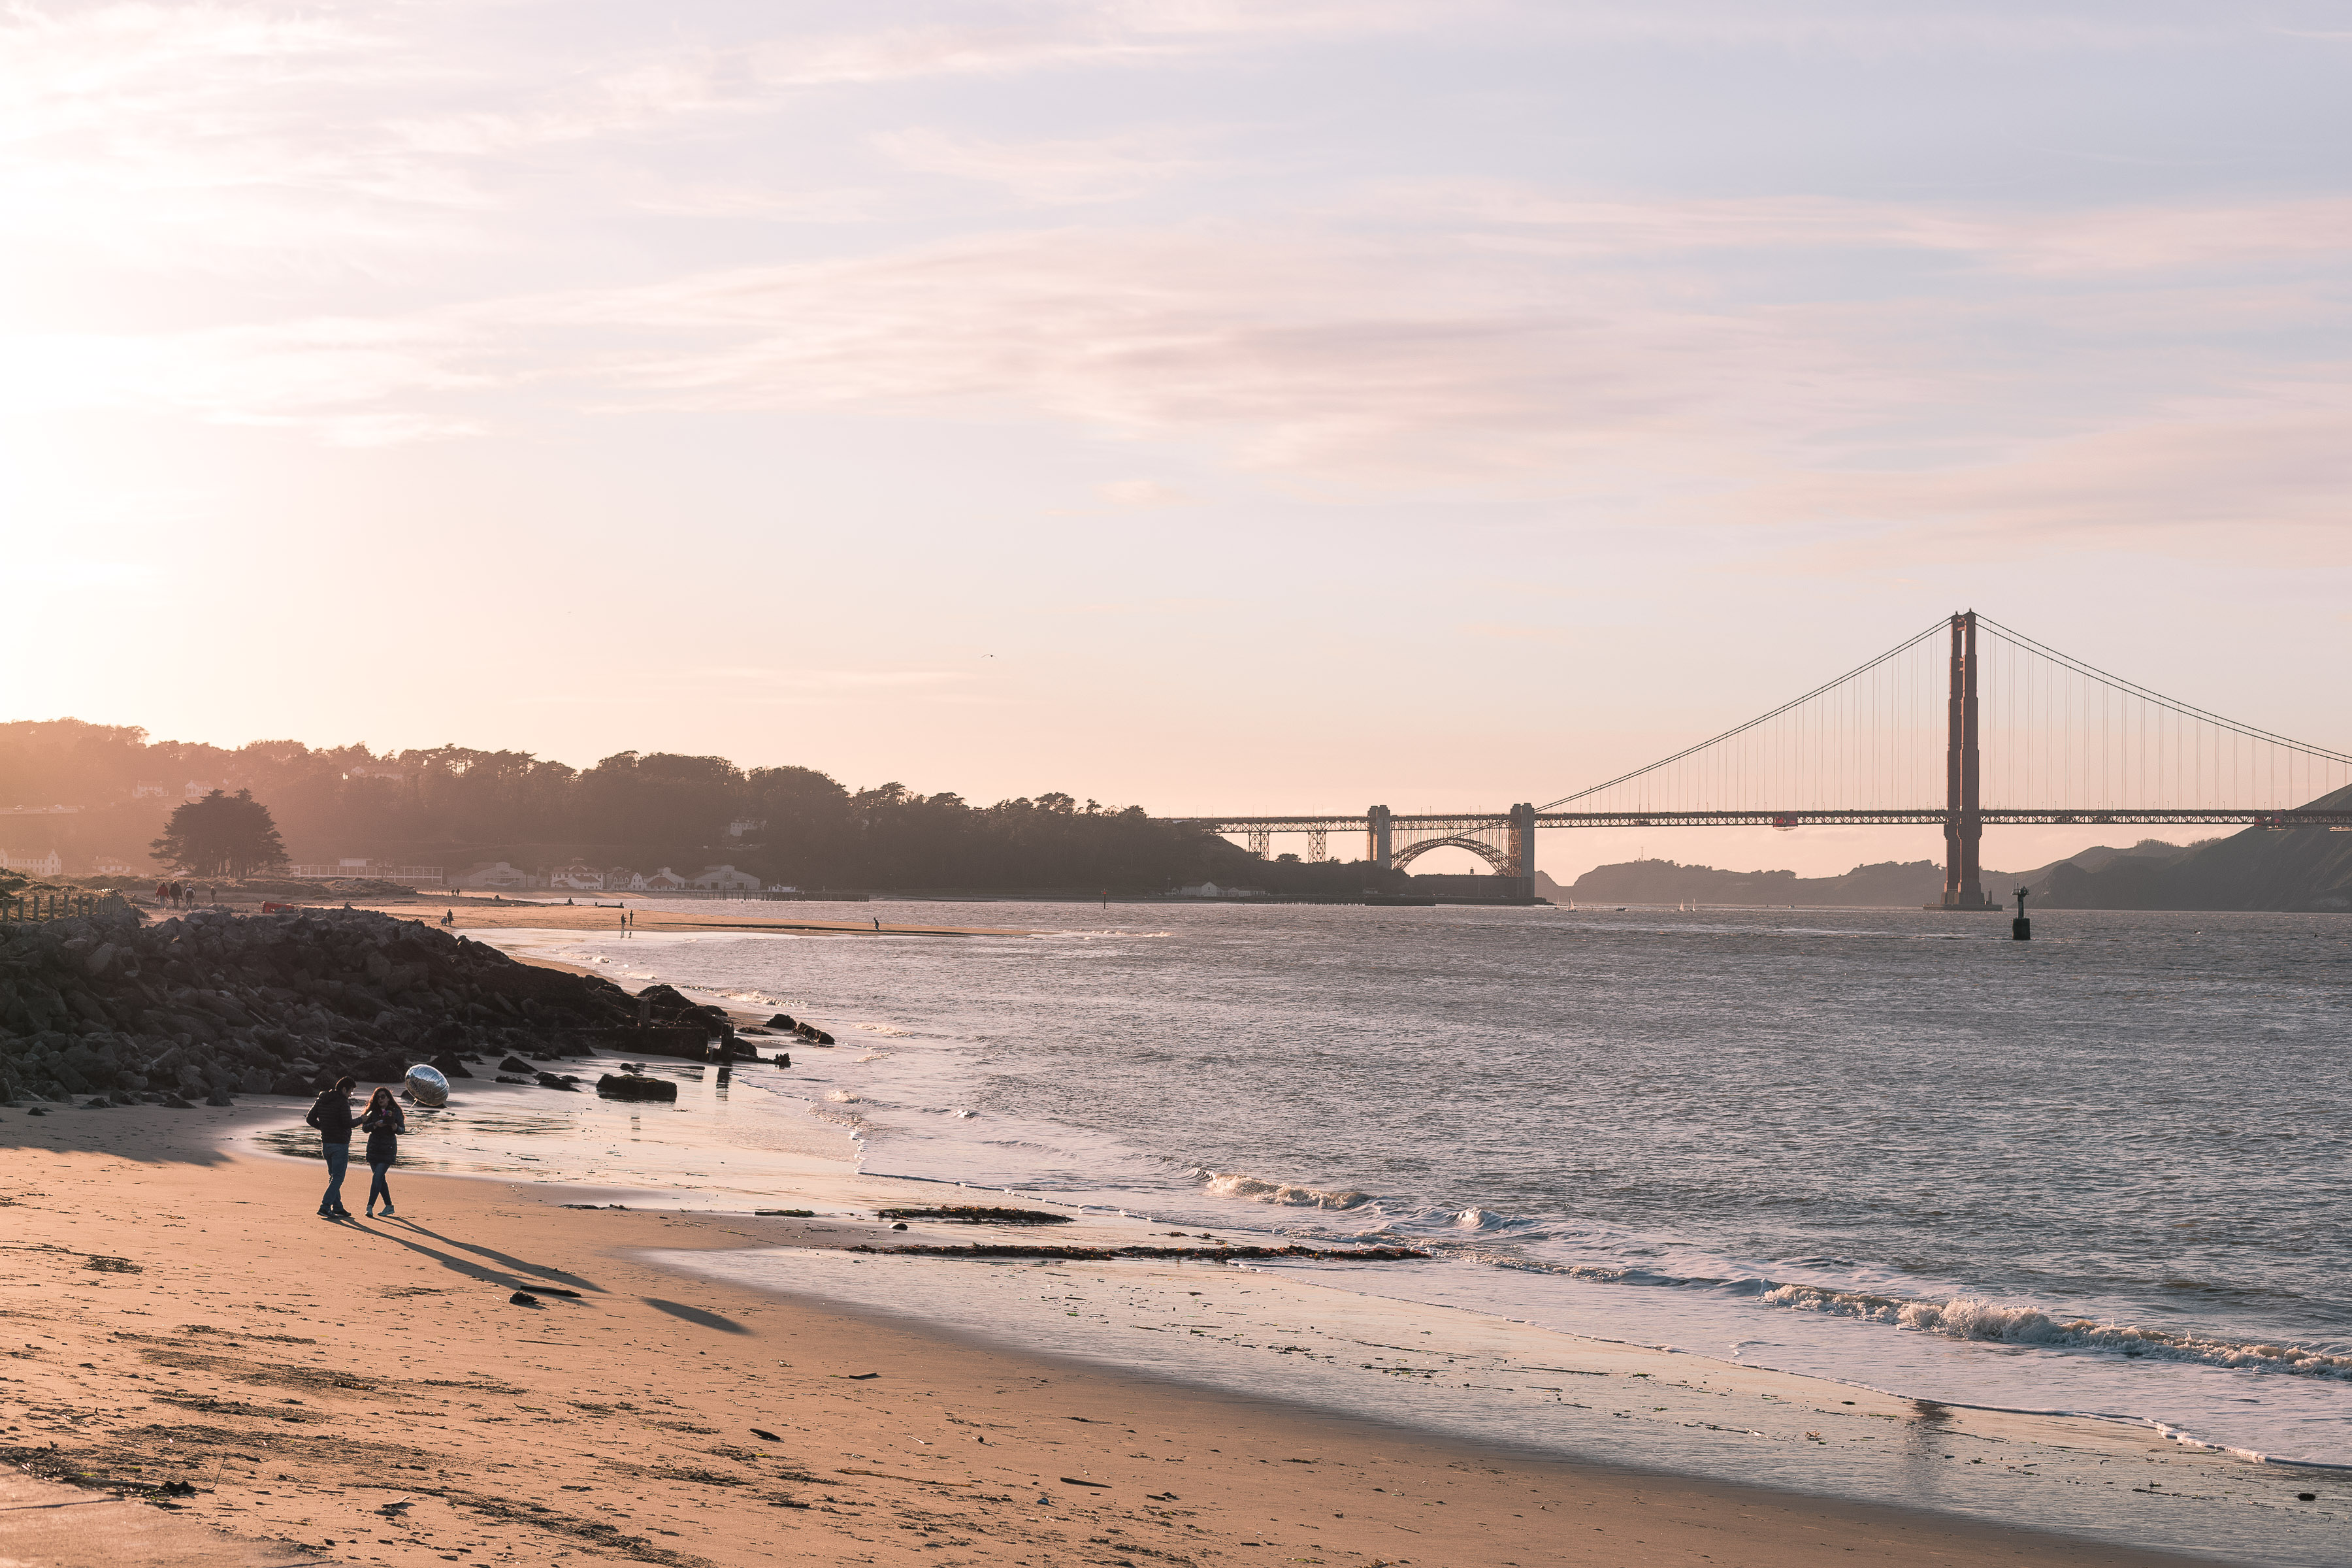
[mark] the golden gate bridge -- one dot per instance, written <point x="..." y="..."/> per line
<point x="2003" y="729"/>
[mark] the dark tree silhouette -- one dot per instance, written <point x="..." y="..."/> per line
<point x="222" y="835"/>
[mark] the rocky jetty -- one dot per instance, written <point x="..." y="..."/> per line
<point x="212" y="1005"/>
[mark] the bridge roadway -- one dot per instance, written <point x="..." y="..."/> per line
<point x="1506" y="840"/>
<point x="1932" y="816"/>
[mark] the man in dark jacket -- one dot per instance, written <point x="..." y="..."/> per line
<point x="333" y="1117"/>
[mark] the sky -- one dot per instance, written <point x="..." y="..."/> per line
<point x="1219" y="407"/>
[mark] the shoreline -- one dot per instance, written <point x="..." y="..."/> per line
<point x="605" y="918"/>
<point x="1235" y="1488"/>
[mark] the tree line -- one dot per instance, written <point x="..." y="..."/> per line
<point x="455" y="805"/>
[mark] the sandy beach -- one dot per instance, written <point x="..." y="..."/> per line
<point x="370" y="1393"/>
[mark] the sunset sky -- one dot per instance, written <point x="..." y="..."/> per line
<point x="1214" y="407"/>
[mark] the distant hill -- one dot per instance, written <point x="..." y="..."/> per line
<point x="1895" y="884"/>
<point x="2302" y="868"/>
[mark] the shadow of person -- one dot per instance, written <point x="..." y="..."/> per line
<point x="694" y="1315"/>
<point x="515" y="1264"/>
<point x="505" y="1279"/>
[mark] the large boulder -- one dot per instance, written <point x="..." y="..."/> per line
<point x="618" y="1086"/>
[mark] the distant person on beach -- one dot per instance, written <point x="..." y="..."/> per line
<point x="449" y="917"/>
<point x="333" y="1117"/>
<point x="384" y="1124"/>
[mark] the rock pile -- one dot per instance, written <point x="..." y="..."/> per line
<point x="214" y="1005"/>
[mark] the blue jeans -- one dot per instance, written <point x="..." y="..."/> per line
<point x="338" y="1157"/>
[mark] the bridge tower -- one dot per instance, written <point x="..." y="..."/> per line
<point x="1376" y="822"/>
<point x="1963" y="816"/>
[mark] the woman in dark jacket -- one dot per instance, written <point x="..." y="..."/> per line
<point x="384" y="1124"/>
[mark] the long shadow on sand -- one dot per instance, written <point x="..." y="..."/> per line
<point x="515" y="1264"/>
<point x="187" y="1138"/>
<point x="694" y="1315"/>
<point x="506" y="1280"/>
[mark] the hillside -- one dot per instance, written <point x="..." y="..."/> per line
<point x="1894" y="884"/>
<point x="2303" y="868"/>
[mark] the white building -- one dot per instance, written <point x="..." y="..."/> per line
<point x="498" y="874"/>
<point x="662" y="881"/>
<point x="577" y="877"/>
<point x="725" y="878"/>
<point x="44" y="864"/>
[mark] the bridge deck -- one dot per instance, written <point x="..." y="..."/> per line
<point x="1933" y="816"/>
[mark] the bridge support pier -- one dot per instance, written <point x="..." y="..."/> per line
<point x="1523" y="852"/>
<point x="1378" y="830"/>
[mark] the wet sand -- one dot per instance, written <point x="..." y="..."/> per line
<point x="176" y="1312"/>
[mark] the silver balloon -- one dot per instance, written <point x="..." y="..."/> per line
<point x="426" y="1085"/>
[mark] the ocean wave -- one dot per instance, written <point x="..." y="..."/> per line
<point x="1962" y="1318"/>
<point x="1972" y="1317"/>
<point x="1239" y="1186"/>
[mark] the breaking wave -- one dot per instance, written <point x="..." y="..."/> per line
<point x="1972" y="1317"/>
<point x="1959" y="1317"/>
<point x="1255" y="1191"/>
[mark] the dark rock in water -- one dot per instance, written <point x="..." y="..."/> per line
<point x="822" y="1038"/>
<point x="612" y="1086"/>
<point x="449" y="1066"/>
<point x="552" y="1080"/>
<point x="514" y="1064"/>
<point x="783" y="1021"/>
<point x="783" y="1058"/>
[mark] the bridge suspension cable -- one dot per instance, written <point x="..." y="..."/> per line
<point x="2047" y="732"/>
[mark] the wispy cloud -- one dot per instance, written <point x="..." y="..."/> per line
<point x="1049" y="174"/>
<point x="1519" y="341"/>
<point x="1141" y="493"/>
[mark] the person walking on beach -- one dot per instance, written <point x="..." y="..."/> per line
<point x="333" y="1117"/>
<point x="384" y="1124"/>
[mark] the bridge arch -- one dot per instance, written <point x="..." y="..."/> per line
<point x="1495" y="857"/>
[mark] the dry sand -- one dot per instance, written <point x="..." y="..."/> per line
<point x="367" y="1392"/>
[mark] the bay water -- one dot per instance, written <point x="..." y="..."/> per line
<point x="2100" y="1173"/>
